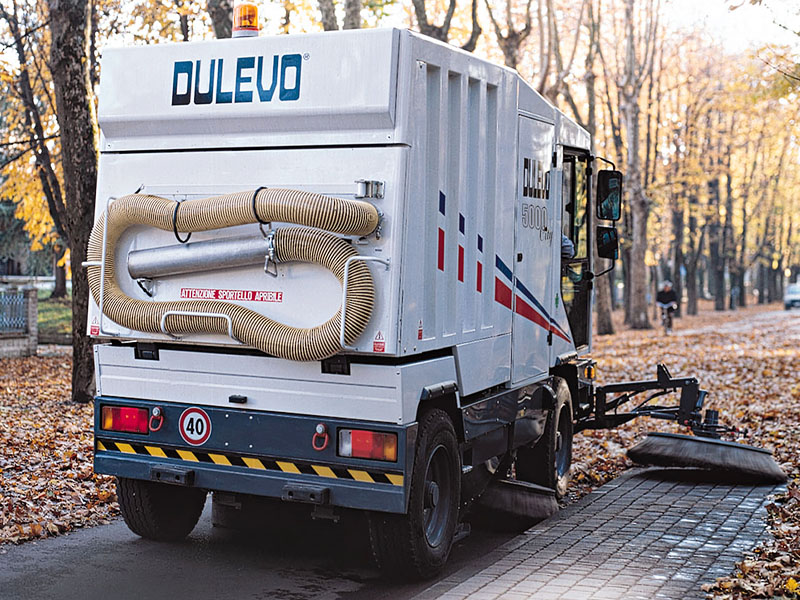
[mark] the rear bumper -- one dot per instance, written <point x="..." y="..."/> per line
<point x="264" y="454"/>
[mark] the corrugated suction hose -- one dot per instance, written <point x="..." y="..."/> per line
<point x="291" y="244"/>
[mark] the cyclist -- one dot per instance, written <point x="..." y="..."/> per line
<point x="667" y="301"/>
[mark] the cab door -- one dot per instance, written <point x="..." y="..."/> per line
<point x="575" y="281"/>
<point x="532" y="294"/>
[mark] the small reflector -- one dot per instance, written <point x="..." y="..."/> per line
<point x="245" y="19"/>
<point x="127" y="419"/>
<point x="377" y="445"/>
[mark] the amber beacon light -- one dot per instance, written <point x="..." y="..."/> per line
<point x="245" y="19"/>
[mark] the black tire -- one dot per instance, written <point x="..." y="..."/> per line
<point x="548" y="462"/>
<point x="159" y="511"/>
<point x="418" y="543"/>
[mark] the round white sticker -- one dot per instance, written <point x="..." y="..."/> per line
<point x="195" y="426"/>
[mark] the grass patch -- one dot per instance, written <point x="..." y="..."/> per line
<point x="55" y="316"/>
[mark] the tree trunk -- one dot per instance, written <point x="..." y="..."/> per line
<point x="69" y="65"/>
<point x="691" y="287"/>
<point x="625" y="254"/>
<point x="221" y="13"/>
<point x="352" y="14"/>
<point x="742" y="290"/>
<point x="639" y="202"/>
<point x="327" y="13"/>
<point x="60" y="273"/>
<point x="677" y="231"/>
<point x="728" y="246"/>
<point x="715" y="250"/>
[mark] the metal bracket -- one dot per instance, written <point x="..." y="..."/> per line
<point x="189" y="313"/>
<point x="147" y="285"/>
<point x="687" y="413"/>
<point x="369" y="188"/>
<point x="383" y="261"/>
<point x="102" y="265"/>
<point x="272" y="254"/>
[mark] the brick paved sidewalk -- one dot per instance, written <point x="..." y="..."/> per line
<point x="647" y="534"/>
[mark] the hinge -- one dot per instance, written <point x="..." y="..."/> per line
<point x="555" y="159"/>
<point x="550" y="338"/>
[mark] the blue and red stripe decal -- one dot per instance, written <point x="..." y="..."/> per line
<point x="479" y="272"/>
<point x="440" y="257"/>
<point x="527" y="306"/>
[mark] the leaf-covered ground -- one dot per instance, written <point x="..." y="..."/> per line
<point x="47" y="485"/>
<point x="750" y="363"/>
<point x="748" y="360"/>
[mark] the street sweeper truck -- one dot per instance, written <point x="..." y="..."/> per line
<point x="346" y="270"/>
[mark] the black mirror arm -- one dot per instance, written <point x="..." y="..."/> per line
<point x="608" y="270"/>
<point x="605" y="160"/>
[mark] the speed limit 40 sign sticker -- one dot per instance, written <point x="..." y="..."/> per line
<point x="195" y="426"/>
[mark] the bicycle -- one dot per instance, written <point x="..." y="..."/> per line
<point x="666" y="315"/>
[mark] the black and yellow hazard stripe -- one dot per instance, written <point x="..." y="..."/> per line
<point x="261" y="463"/>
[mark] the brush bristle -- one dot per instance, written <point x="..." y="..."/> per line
<point x="671" y="450"/>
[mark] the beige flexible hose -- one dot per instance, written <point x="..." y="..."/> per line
<point x="291" y="244"/>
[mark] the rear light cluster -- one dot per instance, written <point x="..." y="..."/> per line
<point x="359" y="443"/>
<point x="127" y="419"/>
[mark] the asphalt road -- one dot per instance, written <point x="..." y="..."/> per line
<point x="318" y="560"/>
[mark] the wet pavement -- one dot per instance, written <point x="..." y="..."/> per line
<point x="647" y="534"/>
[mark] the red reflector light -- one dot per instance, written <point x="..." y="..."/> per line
<point x="359" y="443"/>
<point x="127" y="419"/>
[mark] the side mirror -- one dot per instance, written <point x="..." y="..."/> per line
<point x="609" y="195"/>
<point x="607" y="242"/>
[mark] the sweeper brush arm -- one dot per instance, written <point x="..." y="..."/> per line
<point x="703" y="450"/>
<point x="609" y="398"/>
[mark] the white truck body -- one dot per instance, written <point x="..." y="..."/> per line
<point x="471" y="159"/>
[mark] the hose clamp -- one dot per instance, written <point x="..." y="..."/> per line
<point x="272" y="254"/>
<point x="175" y="225"/>
<point x="255" y="213"/>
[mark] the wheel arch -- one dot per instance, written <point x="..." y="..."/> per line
<point x="443" y="396"/>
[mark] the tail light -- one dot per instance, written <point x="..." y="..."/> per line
<point x="359" y="443"/>
<point x="126" y="419"/>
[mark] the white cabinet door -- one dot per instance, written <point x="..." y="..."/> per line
<point x="534" y="238"/>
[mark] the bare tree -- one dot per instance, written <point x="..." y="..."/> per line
<point x="352" y="15"/>
<point x="512" y="40"/>
<point x="70" y="66"/>
<point x="442" y="32"/>
<point x="638" y="67"/>
<point x="221" y="13"/>
<point x="45" y="165"/>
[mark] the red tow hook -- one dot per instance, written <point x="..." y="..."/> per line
<point x="320" y="434"/>
<point x="156" y="419"/>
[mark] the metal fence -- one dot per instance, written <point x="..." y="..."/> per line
<point x="13" y="312"/>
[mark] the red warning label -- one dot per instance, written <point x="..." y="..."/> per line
<point x="379" y="343"/>
<point x="95" y="328"/>
<point x="231" y="295"/>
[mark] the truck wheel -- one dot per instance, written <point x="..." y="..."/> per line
<point x="159" y="511"/>
<point x="418" y="543"/>
<point x="548" y="461"/>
